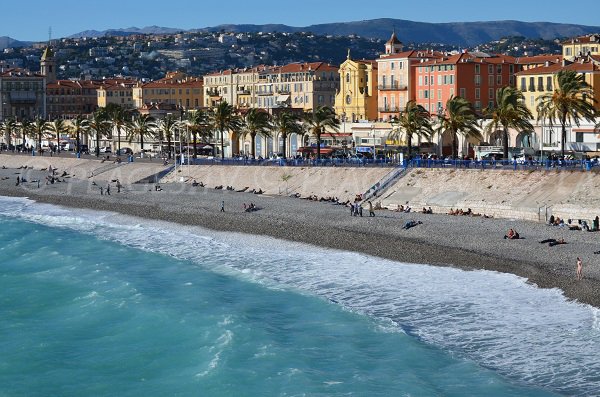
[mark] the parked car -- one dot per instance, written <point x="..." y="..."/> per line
<point x="125" y="150"/>
<point x="84" y="149"/>
<point x="105" y="149"/>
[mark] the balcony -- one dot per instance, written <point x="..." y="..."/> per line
<point x="388" y="109"/>
<point x="392" y="87"/>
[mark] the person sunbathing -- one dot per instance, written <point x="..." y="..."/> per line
<point x="552" y="242"/>
<point x="511" y="235"/>
<point x="410" y="224"/>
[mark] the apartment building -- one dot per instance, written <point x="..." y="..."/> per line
<point x="118" y="91"/>
<point x="176" y="88"/>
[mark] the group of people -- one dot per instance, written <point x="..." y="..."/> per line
<point x="250" y="207"/>
<point x="232" y="189"/>
<point x="402" y="208"/>
<point x="426" y="210"/>
<point x="468" y="212"/>
<point x="580" y="225"/>
<point x="356" y="209"/>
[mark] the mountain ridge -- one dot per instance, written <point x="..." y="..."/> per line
<point x="454" y="33"/>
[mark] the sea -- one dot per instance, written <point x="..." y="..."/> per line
<point x="102" y="304"/>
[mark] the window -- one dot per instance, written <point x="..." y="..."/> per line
<point x="490" y="80"/>
<point x="477" y="105"/>
<point x="477" y="79"/>
<point x="426" y="80"/>
<point x="491" y="93"/>
<point x="490" y="69"/>
<point x="426" y="92"/>
<point x="523" y="84"/>
<point x="439" y="94"/>
<point x="540" y="84"/>
<point x="579" y="137"/>
<point x="498" y="69"/>
<point x="463" y="92"/>
<point x="401" y="65"/>
<point x="420" y="80"/>
<point x="440" y="80"/>
<point x="549" y="83"/>
<point x="420" y="94"/>
<point x="347" y="77"/>
<point x="499" y="79"/>
<point x="531" y="84"/>
<point x="477" y="93"/>
<point x="392" y="65"/>
<point x="477" y="69"/>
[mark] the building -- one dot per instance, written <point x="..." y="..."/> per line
<point x="70" y="98"/>
<point x="22" y="94"/>
<point x="581" y="46"/>
<point x="357" y="97"/>
<point x="117" y="91"/>
<point x="175" y="89"/>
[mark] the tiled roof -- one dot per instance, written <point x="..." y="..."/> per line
<point x="580" y="66"/>
<point x="393" y="39"/>
<point x="467" y="57"/>
<point x="18" y="72"/>
<point x="592" y="38"/>
<point x="537" y="59"/>
<point x="413" y="54"/>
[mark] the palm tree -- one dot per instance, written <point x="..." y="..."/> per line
<point x="413" y="120"/>
<point x="572" y="100"/>
<point x="25" y="125"/>
<point x="80" y="125"/>
<point x="197" y="122"/>
<point x="459" y="117"/>
<point x="166" y="129"/>
<point x="257" y="121"/>
<point x="224" y="119"/>
<point x="510" y="112"/>
<point x="57" y="127"/>
<point x="99" y="126"/>
<point x="39" y="127"/>
<point x="286" y="123"/>
<point x="10" y="127"/>
<point x="141" y="126"/>
<point x="117" y="117"/>
<point x="318" y="121"/>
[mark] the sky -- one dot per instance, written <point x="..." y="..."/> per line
<point x="31" y="20"/>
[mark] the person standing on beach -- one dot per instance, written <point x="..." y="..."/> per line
<point x="101" y="191"/>
<point x="579" y="269"/>
<point x="371" y="212"/>
<point x="223" y="206"/>
<point x="108" y="189"/>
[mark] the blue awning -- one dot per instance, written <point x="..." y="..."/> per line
<point x="364" y="149"/>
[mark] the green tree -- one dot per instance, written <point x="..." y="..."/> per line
<point x="257" y="121"/>
<point x="318" y="121"/>
<point x="141" y="126"/>
<point x="39" y="128"/>
<point x="99" y="126"/>
<point x="10" y="127"/>
<point x="224" y="118"/>
<point x="26" y="130"/>
<point x="286" y="123"/>
<point x="510" y="112"/>
<point x="197" y="122"/>
<point x="57" y="127"/>
<point x="79" y="126"/>
<point x="166" y="128"/>
<point x="572" y="100"/>
<point x="116" y="115"/>
<point x="413" y="120"/>
<point x="459" y="117"/>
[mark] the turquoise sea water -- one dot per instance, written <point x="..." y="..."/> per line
<point x="105" y="305"/>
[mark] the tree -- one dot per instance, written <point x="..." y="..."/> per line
<point x="257" y="121"/>
<point x="9" y="126"/>
<point x="413" y="120"/>
<point x="510" y="112"/>
<point x="57" y="127"/>
<point x="318" y="121"/>
<point x="117" y="117"/>
<point x="224" y="118"/>
<point x="166" y="128"/>
<point x="40" y="126"/>
<point x="141" y="126"/>
<point x="197" y="122"/>
<point x="572" y="100"/>
<point x="286" y="123"/>
<point x="459" y="117"/>
<point x="99" y="126"/>
<point x="80" y="125"/>
<point x="26" y="126"/>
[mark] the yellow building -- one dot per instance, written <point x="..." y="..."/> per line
<point x="117" y="91"/>
<point x="581" y="46"/>
<point x="542" y="80"/>
<point x="175" y="89"/>
<point x="357" y="96"/>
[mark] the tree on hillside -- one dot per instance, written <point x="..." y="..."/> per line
<point x="257" y="122"/>
<point x="572" y="100"/>
<point x="413" y="120"/>
<point x="510" y="112"/>
<point x="459" y="117"/>
<point x="318" y="121"/>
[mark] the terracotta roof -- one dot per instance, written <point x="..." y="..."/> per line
<point x="467" y="57"/>
<point x="537" y="59"/>
<point x="18" y="72"/>
<point x="581" y="66"/>
<point x="413" y="54"/>
<point x="393" y="39"/>
<point x="75" y="84"/>
<point x="592" y="38"/>
<point x="302" y="67"/>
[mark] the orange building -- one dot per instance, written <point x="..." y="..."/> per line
<point x="176" y="88"/>
<point x="473" y="76"/>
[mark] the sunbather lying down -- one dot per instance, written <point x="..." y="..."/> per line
<point x="552" y="242"/>
<point x="410" y="224"/>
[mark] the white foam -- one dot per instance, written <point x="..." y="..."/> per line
<point x="498" y="320"/>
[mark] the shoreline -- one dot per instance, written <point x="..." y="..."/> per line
<point x="468" y="243"/>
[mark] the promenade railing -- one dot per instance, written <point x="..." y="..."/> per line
<point x="575" y="165"/>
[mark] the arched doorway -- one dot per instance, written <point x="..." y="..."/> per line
<point x="446" y="144"/>
<point x="526" y="139"/>
<point x="495" y="138"/>
<point x="235" y="143"/>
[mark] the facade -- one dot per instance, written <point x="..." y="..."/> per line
<point x="473" y="76"/>
<point x="175" y="89"/>
<point x="22" y="94"/>
<point x="581" y="46"/>
<point x="68" y="99"/>
<point x="357" y="97"/>
<point x="117" y="91"/>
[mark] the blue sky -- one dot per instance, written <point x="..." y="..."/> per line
<point x="30" y="20"/>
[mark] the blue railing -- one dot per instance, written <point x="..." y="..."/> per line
<point x="583" y="165"/>
<point x="291" y="162"/>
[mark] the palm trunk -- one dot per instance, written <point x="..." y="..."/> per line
<point x="253" y="138"/>
<point x="195" y="135"/>
<point x="119" y="140"/>
<point x="169" y="145"/>
<point x="563" y="138"/>
<point x="453" y="145"/>
<point x="97" y="143"/>
<point x="409" y="151"/>
<point x="222" y="146"/>
<point x="319" y="147"/>
<point x="505" y="143"/>
<point x="39" y="141"/>
<point x="284" y="139"/>
<point x="78" y="141"/>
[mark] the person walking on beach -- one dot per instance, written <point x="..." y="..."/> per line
<point x="101" y="191"/>
<point x="579" y="269"/>
<point x="108" y="189"/>
<point x="371" y="212"/>
<point x="223" y="206"/>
